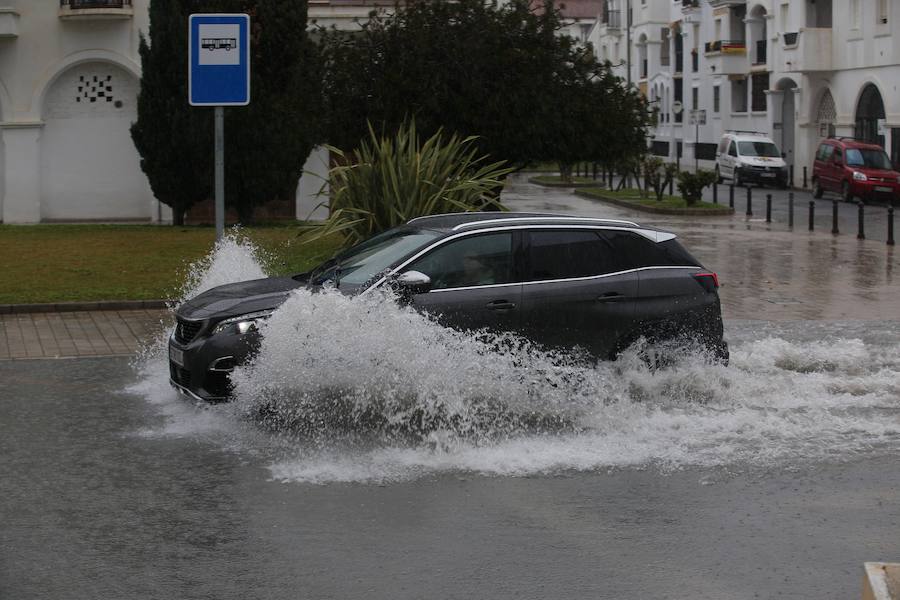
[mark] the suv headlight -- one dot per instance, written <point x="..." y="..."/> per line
<point x="241" y="324"/>
<point x="859" y="176"/>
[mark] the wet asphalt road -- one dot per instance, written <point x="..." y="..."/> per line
<point x="89" y="508"/>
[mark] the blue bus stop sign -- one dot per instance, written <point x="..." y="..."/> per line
<point x="219" y="60"/>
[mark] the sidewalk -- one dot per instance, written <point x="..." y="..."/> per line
<point x="73" y="334"/>
<point x="766" y="272"/>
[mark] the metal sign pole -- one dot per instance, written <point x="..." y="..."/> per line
<point x="696" y="143"/>
<point x="220" y="171"/>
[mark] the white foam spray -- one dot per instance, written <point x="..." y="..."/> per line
<point x="362" y="390"/>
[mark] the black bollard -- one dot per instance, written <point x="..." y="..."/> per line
<point x="749" y="201"/>
<point x="715" y="193"/>
<point x="731" y="195"/>
<point x="834" y="217"/>
<point x="791" y="184"/>
<point x="812" y="214"/>
<point x="768" y="208"/>
<point x="890" y="239"/>
<point x="804" y="178"/>
<point x="861" y="231"/>
<point x="791" y="210"/>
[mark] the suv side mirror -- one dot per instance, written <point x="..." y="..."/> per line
<point x="412" y="282"/>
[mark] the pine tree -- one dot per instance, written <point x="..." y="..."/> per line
<point x="266" y="142"/>
<point x="173" y="138"/>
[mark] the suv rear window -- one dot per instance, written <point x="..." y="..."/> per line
<point x="567" y="254"/>
<point x="825" y="151"/>
<point x="635" y="252"/>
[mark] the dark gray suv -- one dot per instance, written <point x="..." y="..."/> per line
<point x="561" y="281"/>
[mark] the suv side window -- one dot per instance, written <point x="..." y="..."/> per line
<point x="470" y="261"/>
<point x="635" y="252"/>
<point x="565" y="254"/>
<point x="827" y="151"/>
<point x="732" y="149"/>
<point x="838" y="155"/>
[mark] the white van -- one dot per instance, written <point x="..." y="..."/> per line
<point x="750" y="157"/>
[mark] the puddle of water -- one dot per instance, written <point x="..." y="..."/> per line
<point x="361" y="390"/>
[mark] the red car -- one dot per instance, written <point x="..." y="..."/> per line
<point x="854" y="169"/>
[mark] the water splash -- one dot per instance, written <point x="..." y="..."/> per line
<point x="363" y="390"/>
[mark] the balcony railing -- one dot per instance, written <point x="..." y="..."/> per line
<point x="690" y="3"/>
<point x="790" y="39"/>
<point x="727" y="46"/>
<point x="83" y="4"/>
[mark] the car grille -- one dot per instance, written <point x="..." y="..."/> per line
<point x="185" y="330"/>
<point x="762" y="169"/>
<point x="180" y="376"/>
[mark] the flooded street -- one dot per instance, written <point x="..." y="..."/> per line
<point x="108" y="493"/>
<point x="370" y="453"/>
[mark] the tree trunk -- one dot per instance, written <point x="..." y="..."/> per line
<point x="178" y="215"/>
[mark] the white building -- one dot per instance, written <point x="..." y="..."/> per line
<point x="798" y="70"/>
<point x="69" y="76"/>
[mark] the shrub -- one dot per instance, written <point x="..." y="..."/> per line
<point x="390" y="180"/>
<point x="691" y="185"/>
<point x="658" y="174"/>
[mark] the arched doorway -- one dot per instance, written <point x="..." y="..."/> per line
<point x="89" y="166"/>
<point x="788" y="118"/>
<point x="869" y="111"/>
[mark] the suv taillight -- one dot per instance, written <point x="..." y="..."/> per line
<point x="709" y="281"/>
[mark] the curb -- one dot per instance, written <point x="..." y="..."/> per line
<point x="699" y="212"/>
<point x="561" y="184"/>
<point x="13" y="309"/>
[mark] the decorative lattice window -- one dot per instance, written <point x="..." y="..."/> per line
<point x="94" y="88"/>
<point x="827" y="111"/>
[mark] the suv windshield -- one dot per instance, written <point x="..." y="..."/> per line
<point x="363" y="261"/>
<point x="766" y="149"/>
<point x="866" y="157"/>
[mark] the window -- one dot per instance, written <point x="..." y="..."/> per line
<point x="470" y="261"/>
<point x="825" y="152"/>
<point x="882" y="11"/>
<point x="765" y="149"/>
<point x="732" y="150"/>
<point x="635" y="251"/>
<point x="695" y="98"/>
<point x="838" y="156"/>
<point x="567" y="254"/>
<point x="716" y="98"/>
<point x="785" y="16"/>
<point x="864" y="157"/>
<point x="739" y="95"/>
<point x="760" y="85"/>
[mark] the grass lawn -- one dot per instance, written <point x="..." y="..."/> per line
<point x="634" y="195"/>
<point x="60" y="263"/>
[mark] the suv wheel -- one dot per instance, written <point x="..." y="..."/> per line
<point x="817" y="189"/>
<point x="846" y="195"/>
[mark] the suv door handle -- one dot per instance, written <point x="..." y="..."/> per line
<point x="500" y="305"/>
<point x="611" y="297"/>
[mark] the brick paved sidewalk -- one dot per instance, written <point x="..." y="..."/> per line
<point x="84" y="333"/>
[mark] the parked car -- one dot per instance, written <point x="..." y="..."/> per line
<point x="750" y="157"/>
<point x="559" y="280"/>
<point x="854" y="169"/>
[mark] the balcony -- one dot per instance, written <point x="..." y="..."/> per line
<point x="728" y="57"/>
<point x="808" y="50"/>
<point x="612" y="20"/>
<point x="95" y="9"/>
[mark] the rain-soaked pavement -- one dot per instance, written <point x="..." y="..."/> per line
<point x="776" y="476"/>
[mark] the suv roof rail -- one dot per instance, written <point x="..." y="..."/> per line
<point x="841" y="138"/>
<point x="744" y="131"/>
<point x="556" y="218"/>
